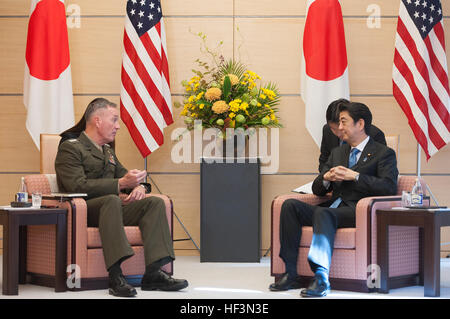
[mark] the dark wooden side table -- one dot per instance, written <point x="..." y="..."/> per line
<point x="430" y="222"/>
<point x="14" y="223"/>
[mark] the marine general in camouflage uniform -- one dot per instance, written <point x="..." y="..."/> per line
<point x="87" y="164"/>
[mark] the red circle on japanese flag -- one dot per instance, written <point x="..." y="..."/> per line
<point x="47" y="52"/>
<point x="324" y="41"/>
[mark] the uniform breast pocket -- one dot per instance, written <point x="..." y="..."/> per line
<point x="93" y="167"/>
<point x="109" y="170"/>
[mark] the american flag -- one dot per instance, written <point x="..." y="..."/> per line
<point x="420" y="76"/>
<point x="145" y="100"/>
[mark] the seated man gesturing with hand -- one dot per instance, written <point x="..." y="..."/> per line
<point x="88" y="164"/>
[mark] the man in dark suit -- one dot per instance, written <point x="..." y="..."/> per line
<point x="87" y="164"/>
<point x="360" y="168"/>
<point x="332" y="136"/>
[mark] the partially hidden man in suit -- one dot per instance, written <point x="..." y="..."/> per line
<point x="360" y="168"/>
<point x="88" y="164"/>
<point x="332" y="136"/>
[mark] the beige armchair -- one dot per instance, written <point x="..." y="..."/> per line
<point x="84" y="251"/>
<point x="355" y="248"/>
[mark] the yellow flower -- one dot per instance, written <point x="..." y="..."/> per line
<point x="244" y="106"/>
<point x="231" y="115"/>
<point x="271" y="94"/>
<point x="213" y="94"/>
<point x="201" y="106"/>
<point x="188" y="107"/>
<point x="252" y="75"/>
<point x="200" y="95"/>
<point x="262" y="96"/>
<point x="191" y="98"/>
<point x="194" y="80"/>
<point x="220" y="107"/>
<point x="234" y="105"/>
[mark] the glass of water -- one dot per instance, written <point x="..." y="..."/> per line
<point x="36" y="200"/>
<point x="406" y="199"/>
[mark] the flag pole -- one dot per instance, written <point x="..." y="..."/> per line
<point x="419" y="159"/>
<point x="145" y="168"/>
<point x="419" y="148"/>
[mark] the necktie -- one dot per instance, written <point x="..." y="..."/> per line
<point x="352" y="159"/>
<point x="351" y="163"/>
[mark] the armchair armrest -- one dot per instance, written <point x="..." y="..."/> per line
<point x="169" y="209"/>
<point x="78" y="226"/>
<point x="306" y="198"/>
<point x="366" y="229"/>
<point x="40" y="238"/>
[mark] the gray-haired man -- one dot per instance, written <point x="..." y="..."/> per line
<point x="89" y="165"/>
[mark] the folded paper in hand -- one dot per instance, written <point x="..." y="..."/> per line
<point x="304" y="189"/>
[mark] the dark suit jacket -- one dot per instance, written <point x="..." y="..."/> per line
<point x="330" y="141"/>
<point x="377" y="166"/>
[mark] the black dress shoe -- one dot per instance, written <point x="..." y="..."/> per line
<point x="159" y="280"/>
<point x="318" y="288"/>
<point x="286" y="282"/>
<point x="119" y="287"/>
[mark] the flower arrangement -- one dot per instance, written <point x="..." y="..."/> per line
<point x="228" y="95"/>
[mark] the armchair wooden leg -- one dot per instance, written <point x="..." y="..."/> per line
<point x="383" y="253"/>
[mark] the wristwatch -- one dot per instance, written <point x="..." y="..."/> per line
<point x="357" y="177"/>
<point x="147" y="186"/>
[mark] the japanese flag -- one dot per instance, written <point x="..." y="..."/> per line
<point x="47" y="92"/>
<point x="324" y="72"/>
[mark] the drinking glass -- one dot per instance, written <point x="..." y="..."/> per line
<point x="36" y="199"/>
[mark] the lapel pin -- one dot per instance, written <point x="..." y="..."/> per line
<point x="365" y="158"/>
